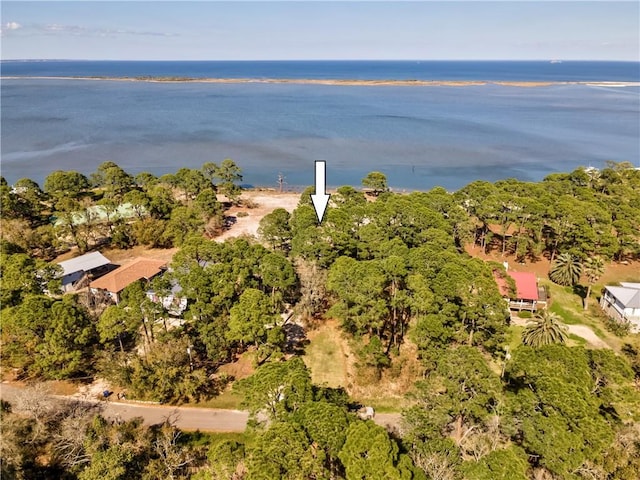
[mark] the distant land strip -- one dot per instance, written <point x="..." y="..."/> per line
<point x="346" y="82"/>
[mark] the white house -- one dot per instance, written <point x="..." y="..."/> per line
<point x="173" y="302"/>
<point x="623" y="303"/>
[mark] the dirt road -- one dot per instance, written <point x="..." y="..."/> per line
<point x="185" y="418"/>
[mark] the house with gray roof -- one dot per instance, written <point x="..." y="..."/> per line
<point x="623" y="303"/>
<point x="79" y="268"/>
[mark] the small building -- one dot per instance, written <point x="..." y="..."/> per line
<point x="528" y="295"/>
<point x="173" y="302"/>
<point x="623" y="303"/>
<point x="77" y="271"/>
<point x="139" y="269"/>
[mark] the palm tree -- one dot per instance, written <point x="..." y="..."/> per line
<point x="565" y="270"/>
<point x="545" y="329"/>
<point x="593" y="269"/>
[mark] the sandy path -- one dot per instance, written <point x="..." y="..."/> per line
<point x="588" y="334"/>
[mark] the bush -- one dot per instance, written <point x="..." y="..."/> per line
<point x="619" y="329"/>
<point x="242" y="214"/>
<point x="525" y="314"/>
<point x="121" y="237"/>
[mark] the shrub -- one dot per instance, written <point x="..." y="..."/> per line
<point x="619" y="329"/>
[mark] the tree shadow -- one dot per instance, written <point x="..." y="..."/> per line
<point x="230" y="220"/>
<point x="580" y="290"/>
<point x="296" y="338"/>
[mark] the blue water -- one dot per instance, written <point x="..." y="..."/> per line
<point x="360" y="70"/>
<point x="419" y="136"/>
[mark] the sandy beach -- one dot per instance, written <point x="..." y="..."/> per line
<point x="334" y="82"/>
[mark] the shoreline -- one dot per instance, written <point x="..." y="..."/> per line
<point x="333" y="82"/>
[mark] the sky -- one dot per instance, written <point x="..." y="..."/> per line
<point x="330" y="30"/>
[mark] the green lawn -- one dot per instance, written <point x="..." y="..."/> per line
<point x="575" y="340"/>
<point x="226" y="399"/>
<point x="325" y="358"/>
<point x="514" y="336"/>
<point x="385" y="404"/>
<point x="569" y="306"/>
<point x="567" y="316"/>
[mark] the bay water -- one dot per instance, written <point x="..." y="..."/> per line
<point x="419" y="136"/>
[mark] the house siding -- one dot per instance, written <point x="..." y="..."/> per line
<point x="616" y="310"/>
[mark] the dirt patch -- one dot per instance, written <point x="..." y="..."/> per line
<point x="116" y="255"/>
<point x="93" y="390"/>
<point x="119" y="256"/>
<point x="241" y="368"/>
<point x="62" y="387"/>
<point x="265" y="203"/>
<point x="540" y="267"/>
<point x="621" y="272"/>
<point x="614" y="271"/>
<point x="389" y="391"/>
<point x="333" y="362"/>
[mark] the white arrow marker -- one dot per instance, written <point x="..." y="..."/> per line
<point x="320" y="199"/>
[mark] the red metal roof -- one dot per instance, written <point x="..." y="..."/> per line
<point x="526" y="285"/>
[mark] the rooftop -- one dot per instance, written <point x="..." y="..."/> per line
<point x="120" y="278"/>
<point x="526" y="285"/>
<point x="628" y="294"/>
<point x="84" y="263"/>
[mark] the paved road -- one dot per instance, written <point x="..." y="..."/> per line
<point x="185" y="418"/>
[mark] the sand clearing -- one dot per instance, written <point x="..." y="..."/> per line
<point x="266" y="202"/>
<point x="588" y="334"/>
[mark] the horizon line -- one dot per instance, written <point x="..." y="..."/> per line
<point x="559" y="60"/>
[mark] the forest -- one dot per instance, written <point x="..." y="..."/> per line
<point x="390" y="268"/>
